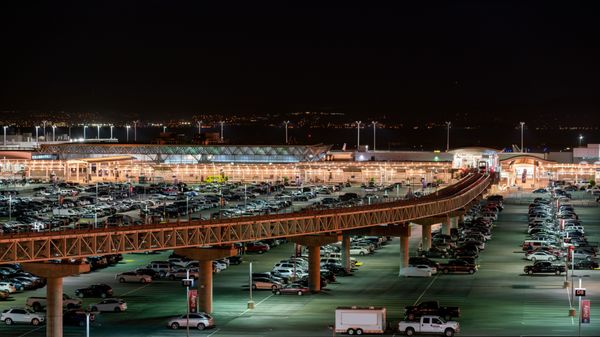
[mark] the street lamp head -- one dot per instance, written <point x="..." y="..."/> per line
<point x="580" y="137"/>
<point x="127" y="126"/>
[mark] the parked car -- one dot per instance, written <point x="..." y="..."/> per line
<point x="420" y="270"/>
<point x="544" y="267"/>
<point x="292" y="289"/>
<point x="76" y="317"/>
<point x="257" y="247"/>
<point x="458" y="266"/>
<point x="199" y="321"/>
<point x="95" y="290"/>
<point x="20" y="315"/>
<point x="109" y="305"/>
<point x="265" y="283"/>
<point x="431" y="308"/>
<point x="540" y="256"/>
<point x="132" y="276"/>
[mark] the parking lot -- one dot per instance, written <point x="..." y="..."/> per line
<point x="499" y="299"/>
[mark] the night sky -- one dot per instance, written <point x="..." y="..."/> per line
<point x="433" y="61"/>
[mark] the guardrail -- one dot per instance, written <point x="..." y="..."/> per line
<point x="32" y="247"/>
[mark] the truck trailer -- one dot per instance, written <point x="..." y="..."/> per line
<point x="359" y="320"/>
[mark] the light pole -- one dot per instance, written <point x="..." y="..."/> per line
<point x="374" y="137"/>
<point x="250" y="301"/>
<point x="222" y="122"/>
<point x="187" y="207"/>
<point x="84" y="127"/>
<point x="111" y="131"/>
<point x="36" y="134"/>
<point x="5" y="135"/>
<point x="199" y="127"/>
<point x="135" y="131"/>
<point x="127" y="127"/>
<point x="580" y="139"/>
<point x="448" y="135"/>
<point x="286" y="132"/>
<point x="44" y="130"/>
<point x="53" y="133"/>
<point x="87" y="323"/>
<point x="98" y="132"/>
<point x="358" y="135"/>
<point x="522" y="123"/>
<point x="96" y="208"/>
<point x="164" y="129"/>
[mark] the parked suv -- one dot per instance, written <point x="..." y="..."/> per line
<point x="10" y="316"/>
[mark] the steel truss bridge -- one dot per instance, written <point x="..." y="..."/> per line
<point x="191" y="153"/>
<point x="34" y="247"/>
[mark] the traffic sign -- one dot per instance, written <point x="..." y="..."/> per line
<point x="186" y="282"/>
<point x="580" y="292"/>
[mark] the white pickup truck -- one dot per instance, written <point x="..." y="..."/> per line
<point x="429" y="325"/>
<point x="39" y="303"/>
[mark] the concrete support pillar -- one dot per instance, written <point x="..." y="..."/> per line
<point x="54" y="307"/>
<point x="403" y="252"/>
<point x="446" y="225"/>
<point x="54" y="273"/>
<point x="314" y="268"/>
<point x="346" y="252"/>
<point x="205" y="286"/>
<point x="426" y="237"/>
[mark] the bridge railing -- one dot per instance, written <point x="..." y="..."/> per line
<point x="76" y="244"/>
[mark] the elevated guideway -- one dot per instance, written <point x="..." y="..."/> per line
<point x="37" y="247"/>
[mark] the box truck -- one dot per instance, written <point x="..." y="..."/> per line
<point x="359" y="320"/>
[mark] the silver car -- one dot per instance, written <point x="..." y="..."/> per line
<point x="199" y="320"/>
<point x="109" y="305"/>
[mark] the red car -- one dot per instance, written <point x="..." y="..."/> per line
<point x="292" y="289"/>
<point x="257" y="247"/>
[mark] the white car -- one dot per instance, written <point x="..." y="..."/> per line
<point x="7" y="286"/>
<point x="199" y="320"/>
<point x="10" y="316"/>
<point x="179" y="262"/>
<point x="355" y="250"/>
<point x="540" y="256"/>
<point x="219" y="266"/>
<point x="288" y="272"/>
<point x="109" y="305"/>
<point x="417" y="271"/>
<point x="131" y="276"/>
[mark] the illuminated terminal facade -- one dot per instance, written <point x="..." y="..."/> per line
<point x="300" y="164"/>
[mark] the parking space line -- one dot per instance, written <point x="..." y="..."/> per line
<point x="30" y="331"/>
<point x="136" y="289"/>
<point x="212" y="333"/>
<point x="257" y="304"/>
<point x="424" y="291"/>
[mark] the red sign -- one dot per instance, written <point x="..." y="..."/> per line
<point x="193" y="299"/>
<point x="585" y="311"/>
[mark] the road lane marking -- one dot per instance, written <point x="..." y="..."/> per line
<point x="424" y="291"/>
<point x="30" y="331"/>
<point x="136" y="289"/>
<point x="257" y="304"/>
